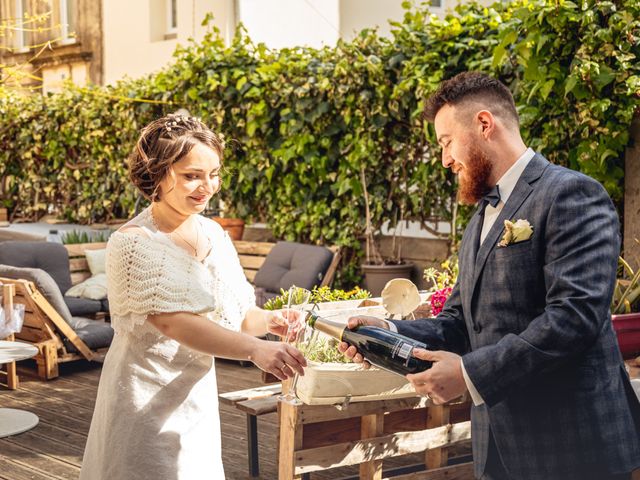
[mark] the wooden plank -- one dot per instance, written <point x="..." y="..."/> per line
<point x="378" y="448"/>
<point x="318" y="413"/>
<point x="371" y="426"/>
<point x="78" y="264"/>
<point x="464" y="471"/>
<point x="253" y="248"/>
<point x="251" y="261"/>
<point x="78" y="277"/>
<point x="39" y="461"/>
<point x="290" y="441"/>
<point x="231" y="398"/>
<point x="12" y="470"/>
<point x="250" y="274"/>
<point x="259" y="406"/>
<point x="78" y="249"/>
<point x="437" y="415"/>
<point x="4" y="215"/>
<point x="60" y="324"/>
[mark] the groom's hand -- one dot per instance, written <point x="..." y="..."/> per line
<point x="350" y="351"/>
<point x="444" y="380"/>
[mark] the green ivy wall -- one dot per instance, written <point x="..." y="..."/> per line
<point x="301" y="124"/>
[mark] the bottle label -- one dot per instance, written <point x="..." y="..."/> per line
<point x="405" y="350"/>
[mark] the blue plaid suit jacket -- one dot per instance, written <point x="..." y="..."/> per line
<point x="533" y="325"/>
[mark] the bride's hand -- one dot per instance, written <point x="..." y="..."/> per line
<point x="278" y="322"/>
<point x="278" y="358"/>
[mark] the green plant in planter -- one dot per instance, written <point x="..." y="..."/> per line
<point x="76" y="236"/>
<point x="323" y="350"/>
<point x="626" y="294"/>
<point x="318" y="295"/>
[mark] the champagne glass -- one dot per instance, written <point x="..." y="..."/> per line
<point x="297" y="300"/>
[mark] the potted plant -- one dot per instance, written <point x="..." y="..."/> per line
<point x="378" y="270"/>
<point x="233" y="226"/>
<point x="625" y="309"/>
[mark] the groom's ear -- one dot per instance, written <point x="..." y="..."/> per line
<point x="486" y="123"/>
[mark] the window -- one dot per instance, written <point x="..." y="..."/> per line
<point x="67" y="15"/>
<point x="437" y="3"/>
<point x="172" y="16"/>
<point x="20" y="33"/>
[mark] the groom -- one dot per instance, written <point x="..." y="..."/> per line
<point x="527" y="328"/>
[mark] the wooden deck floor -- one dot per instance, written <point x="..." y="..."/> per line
<point x="54" y="448"/>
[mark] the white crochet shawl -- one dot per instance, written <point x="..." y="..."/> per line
<point x="148" y="276"/>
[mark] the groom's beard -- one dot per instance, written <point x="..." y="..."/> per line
<point x="473" y="182"/>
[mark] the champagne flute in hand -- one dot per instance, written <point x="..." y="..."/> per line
<point x="297" y="300"/>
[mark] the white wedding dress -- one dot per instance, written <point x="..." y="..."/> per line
<point x="156" y="413"/>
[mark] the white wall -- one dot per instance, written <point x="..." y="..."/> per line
<point x="289" y="23"/>
<point x="134" y="43"/>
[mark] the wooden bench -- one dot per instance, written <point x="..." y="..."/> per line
<point x="253" y="402"/>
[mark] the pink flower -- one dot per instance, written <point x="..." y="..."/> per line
<point x="438" y="300"/>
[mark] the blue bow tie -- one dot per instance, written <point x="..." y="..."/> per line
<point x="493" y="197"/>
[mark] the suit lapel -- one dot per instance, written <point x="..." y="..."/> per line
<point x="522" y="190"/>
<point x="468" y="257"/>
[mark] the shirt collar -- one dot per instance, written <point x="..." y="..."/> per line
<point x="508" y="181"/>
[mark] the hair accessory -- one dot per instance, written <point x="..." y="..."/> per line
<point x="169" y="124"/>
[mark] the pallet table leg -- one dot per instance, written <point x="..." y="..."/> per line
<point x="252" y="445"/>
<point x="437" y="415"/>
<point x="371" y="426"/>
<point x="290" y="441"/>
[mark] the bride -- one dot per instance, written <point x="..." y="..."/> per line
<point x="178" y="298"/>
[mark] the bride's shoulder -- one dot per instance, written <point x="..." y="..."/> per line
<point x="211" y="226"/>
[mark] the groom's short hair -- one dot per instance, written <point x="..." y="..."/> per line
<point x="476" y="87"/>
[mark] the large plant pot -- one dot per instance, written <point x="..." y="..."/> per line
<point x="234" y="226"/>
<point x="627" y="328"/>
<point x="377" y="276"/>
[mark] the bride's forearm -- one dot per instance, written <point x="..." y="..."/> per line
<point x="198" y="333"/>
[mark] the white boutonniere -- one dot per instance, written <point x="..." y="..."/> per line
<point x="516" y="232"/>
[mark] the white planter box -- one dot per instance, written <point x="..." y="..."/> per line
<point x="334" y="383"/>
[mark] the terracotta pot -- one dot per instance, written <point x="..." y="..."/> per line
<point x="377" y="276"/>
<point x="627" y="328"/>
<point x="235" y="226"/>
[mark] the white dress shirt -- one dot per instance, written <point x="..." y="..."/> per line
<point x="506" y="185"/>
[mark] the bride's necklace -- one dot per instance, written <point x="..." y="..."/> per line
<point x="170" y="234"/>
<point x="194" y="248"/>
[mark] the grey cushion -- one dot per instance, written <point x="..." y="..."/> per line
<point x="80" y="307"/>
<point x="105" y="304"/>
<point x="291" y="263"/>
<point x="53" y="258"/>
<point x="95" y="333"/>
<point x="45" y="284"/>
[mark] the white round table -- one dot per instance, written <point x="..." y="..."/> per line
<point x="13" y="421"/>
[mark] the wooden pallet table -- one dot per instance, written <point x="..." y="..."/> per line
<point x="321" y="437"/>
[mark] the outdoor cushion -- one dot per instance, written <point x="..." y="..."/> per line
<point x="94" y="288"/>
<point x="95" y="333"/>
<point x="81" y="307"/>
<point x="44" y="283"/>
<point x="96" y="260"/>
<point x="290" y="263"/>
<point x="53" y="258"/>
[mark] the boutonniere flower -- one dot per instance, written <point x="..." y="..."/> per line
<point x="515" y="232"/>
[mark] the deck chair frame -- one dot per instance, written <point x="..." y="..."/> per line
<point x="44" y="327"/>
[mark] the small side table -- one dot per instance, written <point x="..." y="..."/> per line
<point x="13" y="421"/>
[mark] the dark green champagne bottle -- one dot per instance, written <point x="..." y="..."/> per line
<point x="379" y="346"/>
